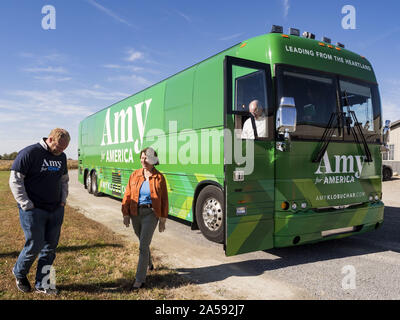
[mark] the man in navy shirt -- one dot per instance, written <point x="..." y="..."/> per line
<point x="39" y="183"/>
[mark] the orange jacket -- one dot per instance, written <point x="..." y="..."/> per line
<point x="158" y="193"/>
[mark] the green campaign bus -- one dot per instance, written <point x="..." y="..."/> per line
<point x="309" y="171"/>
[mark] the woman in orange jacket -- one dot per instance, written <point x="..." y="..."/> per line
<point x="145" y="203"/>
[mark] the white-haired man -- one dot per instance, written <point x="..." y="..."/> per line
<point x="257" y="112"/>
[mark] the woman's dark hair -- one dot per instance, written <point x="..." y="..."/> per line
<point x="155" y="153"/>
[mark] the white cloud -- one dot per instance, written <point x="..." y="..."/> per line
<point x="184" y="16"/>
<point x="233" y="36"/>
<point x="28" y="115"/>
<point x="43" y="62"/>
<point x="131" y="68"/>
<point x="52" y="78"/>
<point x="134" y="55"/>
<point x="120" y="67"/>
<point x="10" y="105"/>
<point x="109" y="12"/>
<point x="46" y="69"/>
<point x="133" y="80"/>
<point x="100" y="95"/>
<point x="286" y="7"/>
<point x="56" y="57"/>
<point x="13" y="117"/>
<point x="26" y="55"/>
<point x="113" y="66"/>
<point x="37" y="96"/>
<point x="49" y="102"/>
<point x="75" y="102"/>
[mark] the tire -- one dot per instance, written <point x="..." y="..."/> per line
<point x="386" y="173"/>
<point x="88" y="182"/>
<point x="95" y="189"/>
<point x="210" y="214"/>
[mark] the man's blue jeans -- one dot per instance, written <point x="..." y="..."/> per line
<point x="42" y="232"/>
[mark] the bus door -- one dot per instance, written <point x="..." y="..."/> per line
<point x="249" y="156"/>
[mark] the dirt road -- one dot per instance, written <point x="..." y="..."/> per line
<point x="306" y="272"/>
<point x="191" y="254"/>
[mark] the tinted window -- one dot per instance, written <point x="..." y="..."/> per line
<point x="363" y="101"/>
<point x="315" y="99"/>
<point x="248" y="88"/>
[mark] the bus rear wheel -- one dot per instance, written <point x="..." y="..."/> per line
<point x="210" y="213"/>
<point x="95" y="188"/>
<point x="88" y="182"/>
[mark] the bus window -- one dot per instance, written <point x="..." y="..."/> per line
<point x="250" y="99"/>
<point x="357" y="98"/>
<point x="315" y="98"/>
<point x="363" y="100"/>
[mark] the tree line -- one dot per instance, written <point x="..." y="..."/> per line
<point x="8" y="156"/>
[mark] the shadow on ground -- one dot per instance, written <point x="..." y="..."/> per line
<point x="15" y="254"/>
<point x="153" y="281"/>
<point x="386" y="238"/>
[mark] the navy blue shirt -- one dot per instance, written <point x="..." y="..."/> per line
<point x="43" y="171"/>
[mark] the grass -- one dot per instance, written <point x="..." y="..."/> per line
<point x="5" y="165"/>
<point x="92" y="262"/>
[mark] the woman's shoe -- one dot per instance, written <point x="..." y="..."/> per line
<point x="151" y="267"/>
<point x="138" y="285"/>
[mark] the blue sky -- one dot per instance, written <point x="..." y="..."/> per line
<point x="102" y="51"/>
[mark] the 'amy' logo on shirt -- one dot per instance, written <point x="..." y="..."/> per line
<point x="49" y="165"/>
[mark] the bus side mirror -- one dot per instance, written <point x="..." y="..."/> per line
<point x="385" y="133"/>
<point x="286" y="116"/>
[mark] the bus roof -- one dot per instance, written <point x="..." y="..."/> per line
<point x="278" y="48"/>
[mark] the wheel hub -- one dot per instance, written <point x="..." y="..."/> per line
<point x="212" y="214"/>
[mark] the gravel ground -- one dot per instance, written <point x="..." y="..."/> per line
<point x="359" y="267"/>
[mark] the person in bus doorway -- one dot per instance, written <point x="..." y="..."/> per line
<point x="39" y="184"/>
<point x="257" y="113"/>
<point x="145" y="203"/>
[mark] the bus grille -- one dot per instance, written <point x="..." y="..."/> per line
<point x="116" y="184"/>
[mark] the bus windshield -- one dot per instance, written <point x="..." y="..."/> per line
<point x="315" y="96"/>
<point x="363" y="100"/>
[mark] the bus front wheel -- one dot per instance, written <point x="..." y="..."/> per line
<point x="210" y="213"/>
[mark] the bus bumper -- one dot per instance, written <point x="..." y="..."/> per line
<point x="310" y="226"/>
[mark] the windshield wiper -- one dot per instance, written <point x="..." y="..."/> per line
<point x="341" y="118"/>
<point x="327" y="135"/>
<point x="364" y="141"/>
<point x="358" y="126"/>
